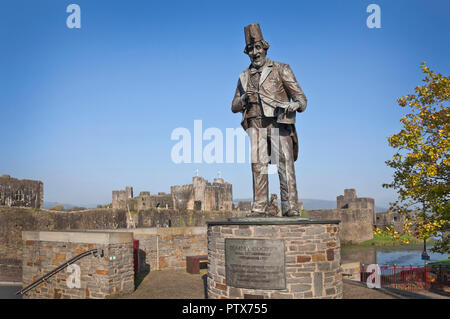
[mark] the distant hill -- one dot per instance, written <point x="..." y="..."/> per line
<point x="315" y="204"/>
<point x="48" y="205"/>
<point x="318" y="203"/>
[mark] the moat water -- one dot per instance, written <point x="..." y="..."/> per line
<point x="402" y="255"/>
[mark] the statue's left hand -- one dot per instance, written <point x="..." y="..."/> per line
<point x="292" y="107"/>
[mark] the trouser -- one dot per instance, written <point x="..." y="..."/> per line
<point x="272" y="142"/>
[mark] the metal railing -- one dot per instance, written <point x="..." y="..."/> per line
<point x="95" y="252"/>
<point x="412" y="277"/>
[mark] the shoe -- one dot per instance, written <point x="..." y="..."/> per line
<point x="292" y="213"/>
<point x="256" y="214"/>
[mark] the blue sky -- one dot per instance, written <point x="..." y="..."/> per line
<point x="91" y="110"/>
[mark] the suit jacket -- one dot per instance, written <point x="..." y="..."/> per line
<point x="277" y="87"/>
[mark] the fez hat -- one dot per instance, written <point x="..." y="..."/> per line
<point x="253" y="34"/>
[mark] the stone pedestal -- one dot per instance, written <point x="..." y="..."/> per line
<point x="293" y="258"/>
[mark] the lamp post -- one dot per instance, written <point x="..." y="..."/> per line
<point x="424" y="253"/>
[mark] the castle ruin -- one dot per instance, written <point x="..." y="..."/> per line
<point x="357" y="216"/>
<point x="202" y="195"/>
<point x="21" y="193"/>
<point x="394" y="219"/>
<point x="388" y="219"/>
<point x="199" y="196"/>
<point x="351" y="202"/>
<point x="121" y="198"/>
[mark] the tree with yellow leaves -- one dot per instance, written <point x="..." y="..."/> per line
<point x="421" y="163"/>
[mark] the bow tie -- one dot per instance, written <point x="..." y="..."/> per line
<point x="254" y="71"/>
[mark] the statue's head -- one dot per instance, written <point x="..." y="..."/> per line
<point x="256" y="47"/>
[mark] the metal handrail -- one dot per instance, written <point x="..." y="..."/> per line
<point x="59" y="268"/>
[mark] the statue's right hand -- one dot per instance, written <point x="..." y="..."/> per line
<point x="244" y="99"/>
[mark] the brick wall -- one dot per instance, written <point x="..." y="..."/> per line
<point x="100" y="277"/>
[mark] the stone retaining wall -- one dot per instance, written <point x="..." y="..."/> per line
<point x="100" y="277"/>
<point x="14" y="220"/>
<point x="167" y="248"/>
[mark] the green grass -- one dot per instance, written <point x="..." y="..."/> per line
<point x="383" y="240"/>
<point x="443" y="262"/>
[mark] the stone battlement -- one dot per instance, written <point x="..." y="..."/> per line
<point x="21" y="193"/>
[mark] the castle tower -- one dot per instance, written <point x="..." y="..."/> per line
<point x="351" y="201"/>
<point x="120" y="198"/>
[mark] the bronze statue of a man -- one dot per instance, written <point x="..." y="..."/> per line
<point x="269" y="96"/>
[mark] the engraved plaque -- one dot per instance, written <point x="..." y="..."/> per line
<point x="255" y="263"/>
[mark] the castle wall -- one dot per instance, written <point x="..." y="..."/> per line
<point x="245" y="205"/>
<point x="216" y="196"/>
<point x="162" y="200"/>
<point x="120" y="198"/>
<point x="181" y="218"/>
<point x="200" y="196"/>
<point x="15" y="220"/>
<point x="223" y="193"/>
<point x="356" y="225"/>
<point x="210" y="199"/>
<point x="146" y="201"/>
<point x="182" y="196"/>
<point x="21" y="193"/>
<point x="201" y="193"/>
<point x="388" y="219"/>
<point x="350" y="201"/>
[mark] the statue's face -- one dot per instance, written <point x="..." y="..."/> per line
<point x="257" y="54"/>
